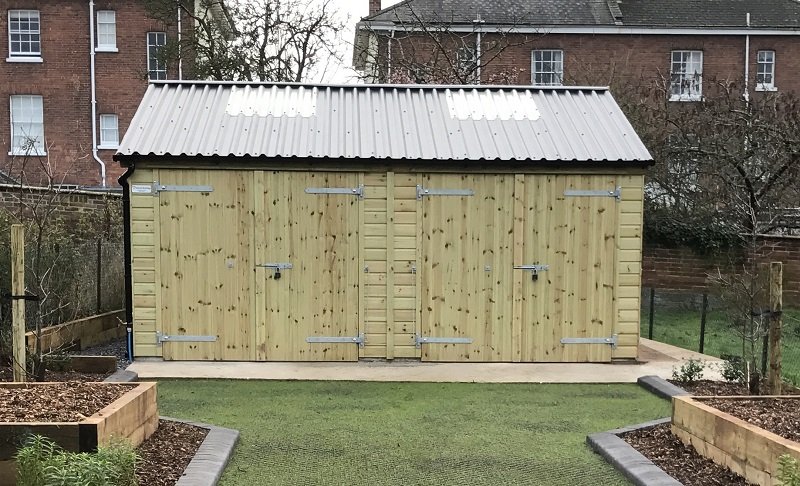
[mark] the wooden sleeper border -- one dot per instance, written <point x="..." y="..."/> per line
<point x="745" y="449"/>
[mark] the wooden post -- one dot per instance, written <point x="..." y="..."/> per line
<point x="776" y="321"/>
<point x="18" y="303"/>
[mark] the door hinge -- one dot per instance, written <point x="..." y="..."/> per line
<point x="612" y="341"/>
<point x="616" y="193"/>
<point x="353" y="191"/>
<point x="159" y="188"/>
<point x="183" y="338"/>
<point x="360" y="339"/>
<point x="424" y="191"/>
<point x="420" y="340"/>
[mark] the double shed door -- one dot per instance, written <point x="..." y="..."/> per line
<point x="475" y="306"/>
<point x="220" y="299"/>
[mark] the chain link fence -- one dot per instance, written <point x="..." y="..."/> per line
<point x="700" y="322"/>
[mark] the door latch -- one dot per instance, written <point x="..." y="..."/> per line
<point x="277" y="267"/>
<point x="534" y="269"/>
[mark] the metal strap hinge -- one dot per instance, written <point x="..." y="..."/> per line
<point x="354" y="191"/>
<point x="159" y="188"/>
<point x="420" y="340"/>
<point x="184" y="338"/>
<point x="360" y="339"/>
<point x="616" y="193"/>
<point x="424" y="191"/>
<point x="592" y="340"/>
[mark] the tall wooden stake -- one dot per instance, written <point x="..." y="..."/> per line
<point x="776" y="321"/>
<point x="18" y="304"/>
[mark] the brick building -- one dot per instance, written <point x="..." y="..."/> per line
<point x="681" y="43"/>
<point x="47" y="76"/>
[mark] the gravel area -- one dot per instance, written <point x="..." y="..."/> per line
<point x="57" y="402"/>
<point x="116" y="348"/>
<point x="679" y="461"/>
<point x="164" y="456"/>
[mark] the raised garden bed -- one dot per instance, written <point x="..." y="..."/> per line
<point x="744" y="448"/>
<point x="76" y="416"/>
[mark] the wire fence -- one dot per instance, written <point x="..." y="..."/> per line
<point x="700" y="322"/>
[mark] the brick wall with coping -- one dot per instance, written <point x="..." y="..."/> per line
<point x="684" y="270"/>
<point x="71" y="203"/>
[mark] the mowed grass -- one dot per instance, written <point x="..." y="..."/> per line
<point x="682" y="328"/>
<point x="353" y="433"/>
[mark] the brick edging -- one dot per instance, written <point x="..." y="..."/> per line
<point x="205" y="468"/>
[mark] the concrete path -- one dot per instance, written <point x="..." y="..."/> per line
<point x="661" y="359"/>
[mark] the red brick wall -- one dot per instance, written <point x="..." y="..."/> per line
<point x="604" y="59"/>
<point x="68" y="203"/>
<point x="682" y="269"/>
<point x="63" y="80"/>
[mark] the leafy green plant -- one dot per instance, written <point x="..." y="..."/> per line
<point x="690" y="372"/>
<point x="732" y="369"/>
<point x="41" y="462"/>
<point x="788" y="471"/>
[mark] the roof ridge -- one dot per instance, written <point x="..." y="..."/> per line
<point x="479" y="87"/>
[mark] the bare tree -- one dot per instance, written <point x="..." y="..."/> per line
<point x="252" y="40"/>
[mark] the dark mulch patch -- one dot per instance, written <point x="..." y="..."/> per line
<point x="6" y="375"/>
<point x="779" y="416"/>
<point x="164" y="456"/>
<point x="57" y="402"/>
<point x="116" y="348"/>
<point x="679" y="461"/>
<point x="723" y="388"/>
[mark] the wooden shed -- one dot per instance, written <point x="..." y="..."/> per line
<point x="289" y="222"/>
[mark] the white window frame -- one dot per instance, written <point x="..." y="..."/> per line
<point x="32" y="56"/>
<point x="769" y="65"/>
<point x="555" y="71"/>
<point x="106" y="20"/>
<point x="109" y="125"/>
<point x="152" y="49"/>
<point x="686" y="75"/>
<point x="33" y="117"/>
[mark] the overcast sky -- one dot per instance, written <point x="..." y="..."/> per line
<point x="342" y="72"/>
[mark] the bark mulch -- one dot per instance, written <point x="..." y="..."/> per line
<point x="57" y="402"/>
<point x="778" y="415"/>
<point x="164" y="456"/>
<point x="690" y="468"/>
<point x="679" y="461"/>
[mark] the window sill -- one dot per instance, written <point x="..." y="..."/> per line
<point x="30" y="59"/>
<point x="23" y="154"/>
<point x="766" y="88"/>
<point x="107" y="147"/>
<point x="685" y="98"/>
<point x="106" y="49"/>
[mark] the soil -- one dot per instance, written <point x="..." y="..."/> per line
<point x="57" y="402"/>
<point x="164" y="456"/>
<point x="779" y="416"/>
<point x="7" y="375"/>
<point x="684" y="463"/>
<point x="724" y="388"/>
<point x="679" y="461"/>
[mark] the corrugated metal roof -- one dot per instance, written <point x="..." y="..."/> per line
<point x="381" y="122"/>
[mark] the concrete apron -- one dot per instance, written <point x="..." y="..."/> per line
<point x="663" y="358"/>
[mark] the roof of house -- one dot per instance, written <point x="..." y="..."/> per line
<point x="393" y="122"/>
<point x="772" y="14"/>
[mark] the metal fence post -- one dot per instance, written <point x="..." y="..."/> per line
<point x="703" y="313"/>
<point x="652" y="311"/>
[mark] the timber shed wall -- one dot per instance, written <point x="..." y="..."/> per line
<point x="194" y="260"/>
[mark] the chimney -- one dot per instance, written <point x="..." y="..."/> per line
<point x="374" y="6"/>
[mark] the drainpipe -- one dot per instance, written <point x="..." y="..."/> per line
<point x="126" y="243"/>
<point x="180" y="57"/>
<point x="94" y="95"/>
<point x="747" y="62"/>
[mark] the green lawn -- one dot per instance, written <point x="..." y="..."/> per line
<point x="338" y="433"/>
<point x="682" y="328"/>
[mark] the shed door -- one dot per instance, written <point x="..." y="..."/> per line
<point x="576" y="236"/>
<point x="317" y="234"/>
<point x="205" y="266"/>
<point x="466" y="268"/>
